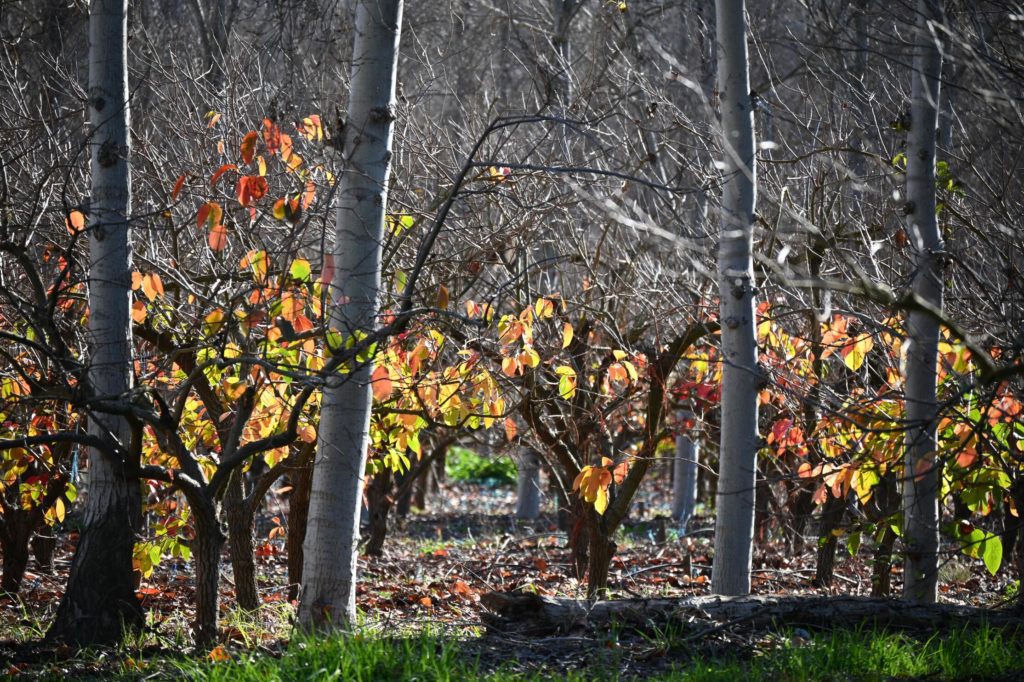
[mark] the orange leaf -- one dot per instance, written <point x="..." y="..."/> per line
<point x="426" y="601"/>
<point x="308" y="195"/>
<point x="218" y="238"/>
<point x="291" y="305"/>
<point x="460" y="587"/>
<point x="152" y="286"/>
<point x="214" y="117"/>
<point x="136" y="280"/>
<point x="251" y="188"/>
<point x="75" y="222"/>
<point x="620" y="471"/>
<point x="138" y="312"/>
<point x="177" y="187"/>
<point x="285" y="142"/>
<point x="381" y="381"/>
<point x="218" y="654"/>
<point x="220" y="172"/>
<point x="307" y="434"/>
<point x="248" y="146"/>
<point x="510" y="428"/>
<point x="209" y="215"/>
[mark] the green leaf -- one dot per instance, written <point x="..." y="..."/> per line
<point x="992" y="553"/>
<point x="300" y="270"/>
<point x="853" y="543"/>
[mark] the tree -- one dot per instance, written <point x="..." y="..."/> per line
<point x="734" y="523"/>
<point x="100" y="603"/>
<point x="922" y="467"/>
<point x="329" y="575"/>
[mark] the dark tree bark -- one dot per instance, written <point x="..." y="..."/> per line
<point x="206" y="553"/>
<point x="298" y="512"/>
<point x="239" y="519"/>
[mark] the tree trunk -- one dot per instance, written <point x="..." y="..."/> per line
<point x="921" y="466"/>
<point x="329" y="573"/>
<point x="241" y="543"/>
<point x="831" y="519"/>
<point x="601" y="549"/>
<point x="528" y="488"/>
<point x="43" y="547"/>
<point x="379" y="500"/>
<point x="734" y="523"/>
<point x="14" y="541"/>
<point x="684" y="476"/>
<point x="298" y="513"/>
<point x="206" y="552"/>
<point x="881" y="572"/>
<point x="532" y="613"/>
<point x="99" y="604"/>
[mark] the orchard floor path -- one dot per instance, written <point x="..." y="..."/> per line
<point x="434" y="575"/>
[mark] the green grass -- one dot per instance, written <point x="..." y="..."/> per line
<point x="977" y="654"/>
<point x="354" y="658"/>
<point x="462" y="464"/>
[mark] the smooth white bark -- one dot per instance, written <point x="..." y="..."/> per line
<point x="684" y="476"/>
<point x="99" y="601"/>
<point x="734" y="523"/>
<point x="329" y="573"/>
<point x="528" y="488"/>
<point x="922" y="468"/>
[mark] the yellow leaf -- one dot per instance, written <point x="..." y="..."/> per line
<point x="566" y="335"/>
<point x="213" y="322"/>
<point x="855" y="353"/>
<point x="58" y="509"/>
<point x="544" y="308"/>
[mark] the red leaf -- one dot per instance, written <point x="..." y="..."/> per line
<point x="221" y="171"/>
<point x="249" y="146"/>
<point x="209" y="214"/>
<point x="271" y="136"/>
<point x="177" y="187"/>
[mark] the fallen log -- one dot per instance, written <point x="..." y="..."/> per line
<point x="529" y="613"/>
